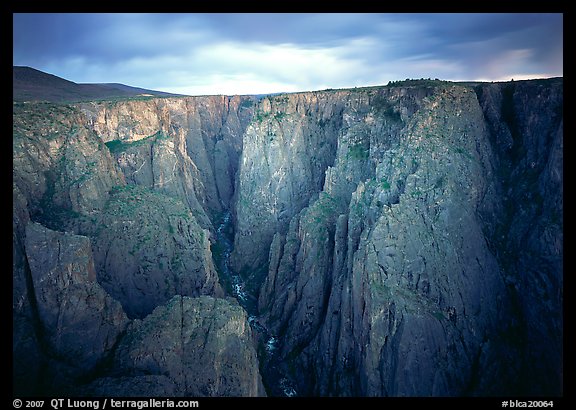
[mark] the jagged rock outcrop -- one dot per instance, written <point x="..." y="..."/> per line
<point x="60" y="166"/>
<point x="25" y="345"/>
<point x="286" y="150"/>
<point x="66" y="175"/>
<point x="412" y="255"/>
<point x="79" y="321"/>
<point x="408" y="277"/>
<point x="67" y="178"/>
<point x="148" y="247"/>
<point x="197" y="346"/>
<point x="178" y="146"/>
<point x="61" y="171"/>
<point x="156" y="162"/>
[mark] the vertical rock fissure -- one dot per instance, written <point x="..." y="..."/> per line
<point x="41" y="382"/>
<point x="153" y="174"/>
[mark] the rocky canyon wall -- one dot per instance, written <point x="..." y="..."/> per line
<point x="112" y="219"/>
<point x="399" y="241"/>
<point x="431" y="257"/>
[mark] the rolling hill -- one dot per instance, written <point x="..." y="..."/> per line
<point x="30" y="84"/>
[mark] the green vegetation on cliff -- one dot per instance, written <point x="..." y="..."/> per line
<point x="117" y="146"/>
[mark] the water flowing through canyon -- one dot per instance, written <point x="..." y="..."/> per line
<point x="276" y="381"/>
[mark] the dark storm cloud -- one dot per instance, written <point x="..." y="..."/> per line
<point x="308" y="30"/>
<point x="99" y="37"/>
<point x="476" y="38"/>
<point x="228" y="53"/>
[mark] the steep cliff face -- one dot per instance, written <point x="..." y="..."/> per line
<point x="148" y="247"/>
<point x="526" y="120"/>
<point x="61" y="168"/>
<point x="150" y="239"/>
<point x="202" y="345"/>
<point x="393" y="279"/>
<point x="79" y="321"/>
<point x="287" y="148"/>
<point x="402" y="240"/>
<point x="184" y="147"/>
<point x="401" y="266"/>
<point x="147" y="242"/>
<point x="26" y="352"/>
<point x="61" y="174"/>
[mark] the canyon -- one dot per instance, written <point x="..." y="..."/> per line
<point x="400" y="240"/>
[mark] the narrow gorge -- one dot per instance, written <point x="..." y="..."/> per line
<point x="402" y="240"/>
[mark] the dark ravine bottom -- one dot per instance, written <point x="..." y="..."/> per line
<point x="276" y="382"/>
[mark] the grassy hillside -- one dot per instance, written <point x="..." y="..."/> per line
<point x="30" y="84"/>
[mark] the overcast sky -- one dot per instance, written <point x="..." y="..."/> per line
<point x="261" y="53"/>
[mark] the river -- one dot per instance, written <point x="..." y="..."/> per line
<point x="277" y="383"/>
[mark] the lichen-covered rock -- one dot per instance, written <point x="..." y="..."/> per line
<point x="79" y="320"/>
<point x="286" y="150"/>
<point x="148" y="247"/>
<point x="184" y="147"/>
<point x="396" y="280"/>
<point x="60" y="165"/>
<point x="414" y="253"/>
<point x="202" y="345"/>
